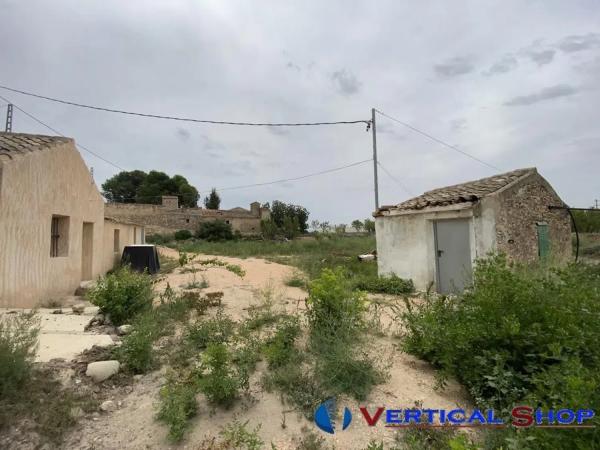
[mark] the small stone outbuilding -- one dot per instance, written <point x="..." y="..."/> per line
<point x="53" y="233"/>
<point x="435" y="238"/>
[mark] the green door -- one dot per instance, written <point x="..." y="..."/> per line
<point x="543" y="240"/>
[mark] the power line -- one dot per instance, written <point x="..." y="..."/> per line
<point x="185" y="119"/>
<point x="439" y="141"/>
<point x="61" y="134"/>
<point x="302" y="177"/>
<point x="296" y="178"/>
<point x="398" y="182"/>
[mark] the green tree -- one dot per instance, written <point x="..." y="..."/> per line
<point x="281" y="210"/>
<point x="357" y="225"/>
<point x="369" y="226"/>
<point x="123" y="187"/>
<point x="213" y="201"/>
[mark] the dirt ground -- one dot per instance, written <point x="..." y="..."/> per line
<point x="133" y="424"/>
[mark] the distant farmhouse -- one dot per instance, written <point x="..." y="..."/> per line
<point x="169" y="216"/>
<point x="53" y="231"/>
<point x="435" y="238"/>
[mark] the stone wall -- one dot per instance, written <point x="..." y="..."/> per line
<point x="165" y="219"/>
<point x="520" y="209"/>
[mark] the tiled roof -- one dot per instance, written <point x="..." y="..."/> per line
<point x="12" y="144"/>
<point x="461" y="193"/>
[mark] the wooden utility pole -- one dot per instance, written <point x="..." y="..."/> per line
<point x="9" y="118"/>
<point x="375" y="181"/>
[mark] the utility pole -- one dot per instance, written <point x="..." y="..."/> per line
<point x="9" y="118"/>
<point x="596" y="202"/>
<point x="375" y="181"/>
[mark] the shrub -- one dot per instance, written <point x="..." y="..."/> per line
<point x="213" y="331"/>
<point x="334" y="309"/>
<point x="18" y="344"/>
<point x="182" y="235"/>
<point x="386" y="285"/>
<point x="136" y="351"/>
<point x="217" y="381"/>
<point x="215" y="230"/>
<point x="279" y="350"/>
<point x="178" y="405"/>
<point x="269" y="229"/>
<point x="518" y="335"/>
<point x="183" y="259"/>
<point x="159" y="239"/>
<point x="122" y="294"/>
<point x="237" y="436"/>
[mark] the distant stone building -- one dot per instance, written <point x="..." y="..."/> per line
<point x="53" y="233"/>
<point x="169" y="216"/>
<point x="435" y="238"/>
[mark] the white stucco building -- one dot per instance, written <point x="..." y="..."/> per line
<point x="435" y="238"/>
<point x="53" y="232"/>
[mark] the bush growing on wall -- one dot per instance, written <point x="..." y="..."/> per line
<point x="122" y="294"/>
<point x="182" y="235"/>
<point x="216" y="230"/>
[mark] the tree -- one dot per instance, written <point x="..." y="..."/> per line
<point x="123" y="186"/>
<point x="215" y="230"/>
<point x="213" y="201"/>
<point x="324" y="227"/>
<point x="369" y="226"/>
<point x="141" y="187"/>
<point x="281" y="210"/>
<point x="340" y="228"/>
<point x="357" y="225"/>
<point x="315" y="225"/>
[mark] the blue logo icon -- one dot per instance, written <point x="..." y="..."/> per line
<point x="326" y="416"/>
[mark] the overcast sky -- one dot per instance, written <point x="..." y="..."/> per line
<point x="515" y="83"/>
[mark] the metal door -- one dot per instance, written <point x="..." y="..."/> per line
<point x="452" y="254"/>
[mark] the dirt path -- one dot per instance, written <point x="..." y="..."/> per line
<point x="133" y="425"/>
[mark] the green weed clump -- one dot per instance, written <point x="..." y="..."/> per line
<point x="182" y="235"/>
<point x="217" y="380"/>
<point x="136" y="351"/>
<point x="385" y="285"/>
<point x="279" y="350"/>
<point x="519" y="336"/>
<point x="237" y="436"/>
<point x="212" y="331"/>
<point x="178" y="405"/>
<point x="18" y="344"/>
<point x="215" y="230"/>
<point x="122" y="294"/>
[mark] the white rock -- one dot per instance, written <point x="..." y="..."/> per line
<point x="124" y="329"/>
<point x="102" y="370"/>
<point x="108" y="406"/>
<point x="78" y="309"/>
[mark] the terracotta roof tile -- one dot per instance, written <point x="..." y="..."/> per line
<point x="461" y="193"/>
<point x="20" y="144"/>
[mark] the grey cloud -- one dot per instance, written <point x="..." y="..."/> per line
<point x="576" y="43"/>
<point x="183" y="134"/>
<point x="549" y="93"/>
<point x="237" y="168"/>
<point x="506" y="64"/>
<point x="279" y="131"/>
<point x="458" y="124"/>
<point x="346" y="82"/>
<point x="541" y="57"/>
<point x="454" y="67"/>
<point x="293" y="66"/>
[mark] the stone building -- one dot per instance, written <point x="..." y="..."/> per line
<point x="435" y="238"/>
<point x="53" y="233"/>
<point x="169" y="217"/>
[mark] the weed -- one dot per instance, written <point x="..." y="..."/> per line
<point x="18" y="344"/>
<point x="195" y="284"/>
<point x="385" y="285"/>
<point x="296" y="280"/>
<point x="122" y="294"/>
<point x="217" y="381"/>
<point x="246" y="356"/>
<point x="279" y="350"/>
<point x="374" y="445"/>
<point x="218" y="263"/>
<point x="167" y="265"/>
<point x="237" y="436"/>
<point x="435" y="439"/>
<point x="309" y="440"/>
<point x="236" y="269"/>
<point x="136" y="350"/>
<point x="213" y="331"/>
<point x="183" y="259"/>
<point x="297" y="385"/>
<point x="52" y="303"/>
<point x="178" y="405"/>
